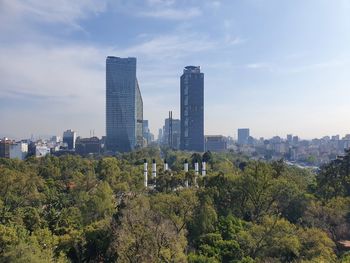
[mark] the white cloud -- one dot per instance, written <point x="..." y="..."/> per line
<point x="172" y="13"/>
<point x="175" y="46"/>
<point x="214" y="4"/>
<point x="62" y="11"/>
<point x="258" y="65"/>
<point x="46" y="71"/>
<point x="52" y="88"/>
<point x="161" y="2"/>
<point x="234" y="40"/>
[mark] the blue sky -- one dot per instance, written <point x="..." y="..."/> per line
<point x="274" y="66"/>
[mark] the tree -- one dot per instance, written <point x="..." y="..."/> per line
<point x="177" y="207"/>
<point x="316" y="246"/>
<point x="146" y="236"/>
<point x="208" y="158"/>
<point x="274" y="238"/>
<point x="98" y="204"/>
<point x="334" y="178"/>
<point x="196" y="157"/>
<point x="332" y="217"/>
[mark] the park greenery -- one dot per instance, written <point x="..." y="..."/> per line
<point x="74" y="209"/>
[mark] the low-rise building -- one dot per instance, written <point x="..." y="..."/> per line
<point x="85" y="146"/>
<point x="215" y="143"/>
<point x="5" y="148"/>
<point x="19" y="150"/>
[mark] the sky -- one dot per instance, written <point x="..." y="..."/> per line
<point x="274" y="66"/>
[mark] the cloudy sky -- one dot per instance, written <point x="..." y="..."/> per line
<point x="274" y="66"/>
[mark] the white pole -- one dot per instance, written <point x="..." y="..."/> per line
<point x="186" y="166"/>
<point x="186" y="170"/>
<point x="196" y="168"/>
<point x="165" y="165"/>
<point x="145" y="173"/>
<point x="154" y="169"/>
<point x="204" y="169"/>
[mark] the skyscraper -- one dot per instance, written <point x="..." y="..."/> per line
<point x="124" y="106"/>
<point x="69" y="137"/>
<point x="176" y="131"/>
<point x="192" y="109"/>
<point x="243" y="135"/>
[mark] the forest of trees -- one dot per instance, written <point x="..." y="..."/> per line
<point x="73" y="209"/>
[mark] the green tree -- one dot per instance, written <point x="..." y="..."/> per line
<point x="146" y="236"/>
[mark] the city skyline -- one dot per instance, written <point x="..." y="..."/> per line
<point x="274" y="67"/>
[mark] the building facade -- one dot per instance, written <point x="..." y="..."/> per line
<point x="146" y="132"/>
<point x="215" y="143"/>
<point x="243" y="136"/>
<point x="69" y="137"/>
<point x="85" y="146"/>
<point x="5" y="145"/>
<point x="19" y="150"/>
<point x="192" y="109"/>
<point x="124" y="106"/>
<point x="176" y="131"/>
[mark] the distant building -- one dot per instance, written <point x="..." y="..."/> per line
<point x="69" y="137"/>
<point x="176" y="131"/>
<point x="124" y="106"/>
<point x="160" y="136"/>
<point x="192" y="109"/>
<point x="146" y="132"/>
<point x="251" y="140"/>
<point x="243" y="135"/>
<point x="85" y="146"/>
<point x="215" y="143"/>
<point x="335" y="138"/>
<point x="19" y="150"/>
<point x="295" y="140"/>
<point x="55" y="139"/>
<point x="289" y="138"/>
<point x="41" y="150"/>
<point x="5" y="148"/>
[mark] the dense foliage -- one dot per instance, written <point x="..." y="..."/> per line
<point x="73" y="209"/>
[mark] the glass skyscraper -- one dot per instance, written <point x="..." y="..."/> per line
<point x="192" y="109"/>
<point x="124" y="106"/>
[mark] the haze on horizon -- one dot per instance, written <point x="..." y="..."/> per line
<point x="274" y="66"/>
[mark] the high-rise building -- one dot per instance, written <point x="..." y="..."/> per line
<point x="175" y="133"/>
<point x="243" y="135"/>
<point x="146" y="131"/>
<point x="124" y="106"/>
<point x="192" y="109"/>
<point x="69" y="137"/>
<point x="160" y="136"/>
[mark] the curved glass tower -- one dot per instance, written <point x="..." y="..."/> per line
<point x="124" y="106"/>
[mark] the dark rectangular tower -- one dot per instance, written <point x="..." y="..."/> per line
<point x="124" y="106"/>
<point x="192" y="109"/>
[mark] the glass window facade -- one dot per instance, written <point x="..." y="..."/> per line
<point x="124" y="106"/>
<point x="192" y="109"/>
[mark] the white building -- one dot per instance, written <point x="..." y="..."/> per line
<point x="41" y="150"/>
<point x="18" y="150"/>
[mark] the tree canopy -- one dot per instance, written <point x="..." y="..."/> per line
<point x="74" y="209"/>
